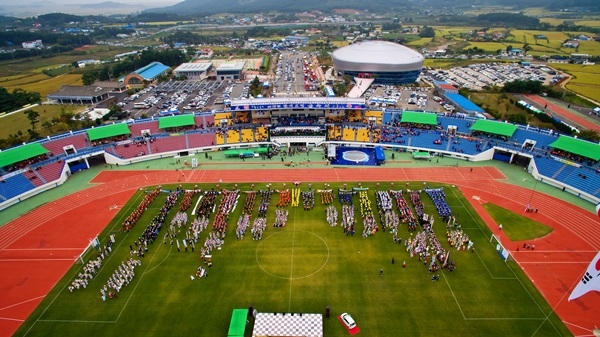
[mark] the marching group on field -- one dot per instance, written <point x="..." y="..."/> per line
<point x="423" y="244"/>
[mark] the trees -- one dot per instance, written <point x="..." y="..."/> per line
<point x="427" y="32"/>
<point x="32" y="115"/>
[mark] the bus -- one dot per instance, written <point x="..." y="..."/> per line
<point x="141" y="105"/>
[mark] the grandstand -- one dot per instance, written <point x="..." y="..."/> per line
<point x="565" y="162"/>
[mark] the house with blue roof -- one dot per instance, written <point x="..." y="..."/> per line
<point x="463" y="104"/>
<point x="147" y="74"/>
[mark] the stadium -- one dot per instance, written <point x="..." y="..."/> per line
<point x="74" y="195"/>
<point x="385" y="62"/>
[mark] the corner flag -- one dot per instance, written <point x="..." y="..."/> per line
<point x="590" y="281"/>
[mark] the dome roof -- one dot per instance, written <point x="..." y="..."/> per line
<point x="377" y="56"/>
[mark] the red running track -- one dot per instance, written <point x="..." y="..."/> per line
<point x="38" y="248"/>
<point x="556" y="109"/>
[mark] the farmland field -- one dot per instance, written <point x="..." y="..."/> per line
<point x="303" y="266"/>
<point x="585" y="79"/>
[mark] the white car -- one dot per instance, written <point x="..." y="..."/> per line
<point x="348" y="320"/>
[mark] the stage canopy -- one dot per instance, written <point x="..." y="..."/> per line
<point x="418" y="118"/>
<point x="577" y="146"/>
<point x="421" y="155"/>
<point x="496" y="128"/>
<point x="17" y="154"/>
<point x="176" y="121"/>
<point x="108" y="131"/>
<point x="237" y="325"/>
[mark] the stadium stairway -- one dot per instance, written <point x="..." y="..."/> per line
<point x="35" y="178"/>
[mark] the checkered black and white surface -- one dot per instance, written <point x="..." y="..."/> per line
<point x="287" y="324"/>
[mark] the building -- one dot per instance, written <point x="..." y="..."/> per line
<point x="193" y="71"/>
<point x="580" y="58"/>
<point x="230" y="70"/>
<point x="385" y="62"/>
<point x="32" y="44"/>
<point x="147" y="74"/>
<point x="89" y="94"/>
<point x="296" y="39"/>
<point x="205" y="53"/>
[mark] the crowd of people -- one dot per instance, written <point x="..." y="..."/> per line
<point x="308" y="199"/>
<point x="265" y="201"/>
<point x="438" y="197"/>
<point x="89" y="271"/>
<point x="459" y="239"/>
<point x="326" y="197"/>
<point x="207" y="205"/>
<point x="281" y="216"/>
<point x="249" y="202"/>
<point x="227" y="205"/>
<point x="188" y="196"/>
<point x="331" y="215"/>
<point x="406" y="213"/>
<point x="121" y="277"/>
<point x="285" y="198"/>
<point x="369" y="224"/>
<point x="345" y="196"/>
<point x="258" y="227"/>
<point x="135" y="215"/>
<point x="348" y="220"/>
<point x="415" y="200"/>
<point x="242" y="224"/>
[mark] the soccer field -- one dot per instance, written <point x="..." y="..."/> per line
<point x="303" y="266"/>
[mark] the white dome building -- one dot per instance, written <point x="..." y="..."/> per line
<point x="386" y="62"/>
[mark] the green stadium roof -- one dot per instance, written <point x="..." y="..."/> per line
<point x="497" y="128"/>
<point x="108" y="131"/>
<point x="418" y="118"/>
<point x="17" y="154"/>
<point x="578" y="147"/>
<point x="176" y="121"/>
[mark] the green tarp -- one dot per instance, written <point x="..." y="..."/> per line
<point x="108" y="131"/>
<point x="21" y="153"/>
<point x="496" y="128"/>
<point x="176" y="121"/>
<point x="421" y="155"/>
<point x="577" y="146"/>
<point x="237" y="325"/>
<point x="262" y="150"/>
<point x="418" y="118"/>
<point x="237" y="153"/>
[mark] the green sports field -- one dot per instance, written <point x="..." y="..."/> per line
<point x="301" y="267"/>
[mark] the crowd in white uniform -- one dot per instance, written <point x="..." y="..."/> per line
<point x="332" y="215"/>
<point x="120" y="278"/>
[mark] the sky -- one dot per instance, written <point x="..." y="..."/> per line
<point x="29" y="8"/>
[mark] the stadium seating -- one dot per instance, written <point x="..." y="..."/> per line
<point x="34" y="178"/>
<point x="56" y="145"/>
<point x="233" y="136"/>
<point x="51" y="171"/>
<point x="130" y="150"/>
<point x="136" y="129"/>
<point x="201" y="139"/>
<point x="14" y="186"/>
<point x="167" y="144"/>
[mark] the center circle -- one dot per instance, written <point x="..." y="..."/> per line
<point x="292" y="255"/>
<point x="355" y="156"/>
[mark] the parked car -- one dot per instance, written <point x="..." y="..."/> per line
<point x="348" y="320"/>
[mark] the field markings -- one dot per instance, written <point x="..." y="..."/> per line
<point x="480" y="229"/>
<point x="140" y="280"/>
<point x="73" y="276"/>
<point x="292" y="262"/>
<point x="11" y="319"/>
<point x="23" y="302"/>
<point x="543" y="319"/>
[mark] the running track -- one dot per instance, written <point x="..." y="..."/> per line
<point x="38" y="248"/>
<point x="570" y="115"/>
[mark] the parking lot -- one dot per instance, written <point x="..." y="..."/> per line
<point x="172" y="97"/>
<point x="477" y="76"/>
